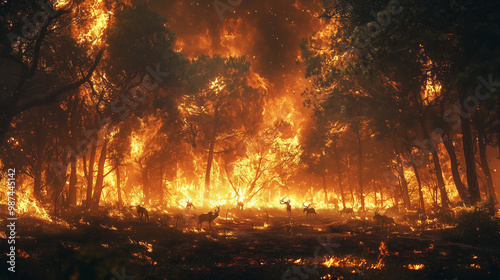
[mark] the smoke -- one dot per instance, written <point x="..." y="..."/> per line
<point x="267" y="33"/>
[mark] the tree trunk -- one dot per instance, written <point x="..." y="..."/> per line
<point x="210" y="156"/>
<point x="404" y="184"/>
<point x="462" y="190"/>
<point x="420" y="193"/>
<point x="381" y="196"/>
<point x="349" y="183"/>
<point x="437" y="167"/>
<point x="468" y="145"/>
<point x="89" y="174"/>
<point x="324" y="189"/>
<point x="118" y="187"/>
<point x="72" y="184"/>
<point x="360" y="172"/>
<point x="100" y="177"/>
<point x="484" y="163"/>
<point x="37" y="184"/>
<point x="341" y="186"/>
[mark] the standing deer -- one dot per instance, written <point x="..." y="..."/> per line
<point x="348" y="211"/>
<point x="309" y="211"/>
<point x="288" y="206"/>
<point x="208" y="217"/>
<point x="141" y="211"/>
<point x="240" y="205"/>
<point x="382" y="220"/>
<point x="189" y="205"/>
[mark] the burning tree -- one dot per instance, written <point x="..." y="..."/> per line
<point x="221" y="109"/>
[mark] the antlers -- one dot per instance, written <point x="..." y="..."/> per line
<point x="306" y="206"/>
<point x="282" y="201"/>
<point x="377" y="210"/>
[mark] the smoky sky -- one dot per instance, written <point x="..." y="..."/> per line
<point x="267" y="32"/>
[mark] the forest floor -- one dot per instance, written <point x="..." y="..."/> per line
<point x="247" y="245"/>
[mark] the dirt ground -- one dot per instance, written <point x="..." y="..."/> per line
<point x="248" y="244"/>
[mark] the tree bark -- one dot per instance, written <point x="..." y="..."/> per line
<point x="437" y="167"/>
<point x="324" y="189"/>
<point x="404" y="183"/>
<point x="100" y="176"/>
<point x="72" y="184"/>
<point x="484" y="163"/>
<point x="118" y="187"/>
<point x="211" y="156"/>
<point x="89" y="174"/>
<point x="360" y="171"/>
<point x="420" y="193"/>
<point x="462" y="190"/>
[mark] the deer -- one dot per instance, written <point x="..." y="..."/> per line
<point x="348" y="211"/>
<point x="382" y="220"/>
<point x="288" y="206"/>
<point x="141" y="211"/>
<point x="310" y="211"/>
<point x="189" y="204"/>
<point x="240" y="205"/>
<point x="208" y="217"/>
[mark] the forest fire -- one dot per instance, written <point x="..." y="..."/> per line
<point x="249" y="139"/>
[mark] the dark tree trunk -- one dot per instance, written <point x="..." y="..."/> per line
<point x="484" y="162"/>
<point x="468" y="146"/>
<point x="210" y="156"/>
<point x="89" y="174"/>
<point x="349" y="183"/>
<point x="37" y="184"/>
<point x="462" y="190"/>
<point x="341" y="186"/>
<point x="437" y="168"/>
<point x="420" y="193"/>
<point x="404" y="184"/>
<point x="381" y="196"/>
<point x="324" y="189"/>
<point x="118" y="187"/>
<point x="72" y="184"/>
<point x="100" y="177"/>
<point x="360" y="172"/>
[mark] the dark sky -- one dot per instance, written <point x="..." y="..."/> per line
<point x="267" y="32"/>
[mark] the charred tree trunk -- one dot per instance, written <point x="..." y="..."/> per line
<point x="462" y="190"/>
<point x="437" y="167"/>
<point x="349" y="182"/>
<point x="339" y="175"/>
<point x="484" y="163"/>
<point x="118" y="187"/>
<point x="72" y="184"/>
<point x="468" y="145"/>
<point x="439" y="175"/>
<point x="37" y="184"/>
<point x="420" y="193"/>
<point x="360" y="171"/>
<point x="404" y="184"/>
<point x="325" y="189"/>
<point x="211" y="155"/>
<point x="100" y="176"/>
<point x="381" y="196"/>
<point x="89" y="174"/>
